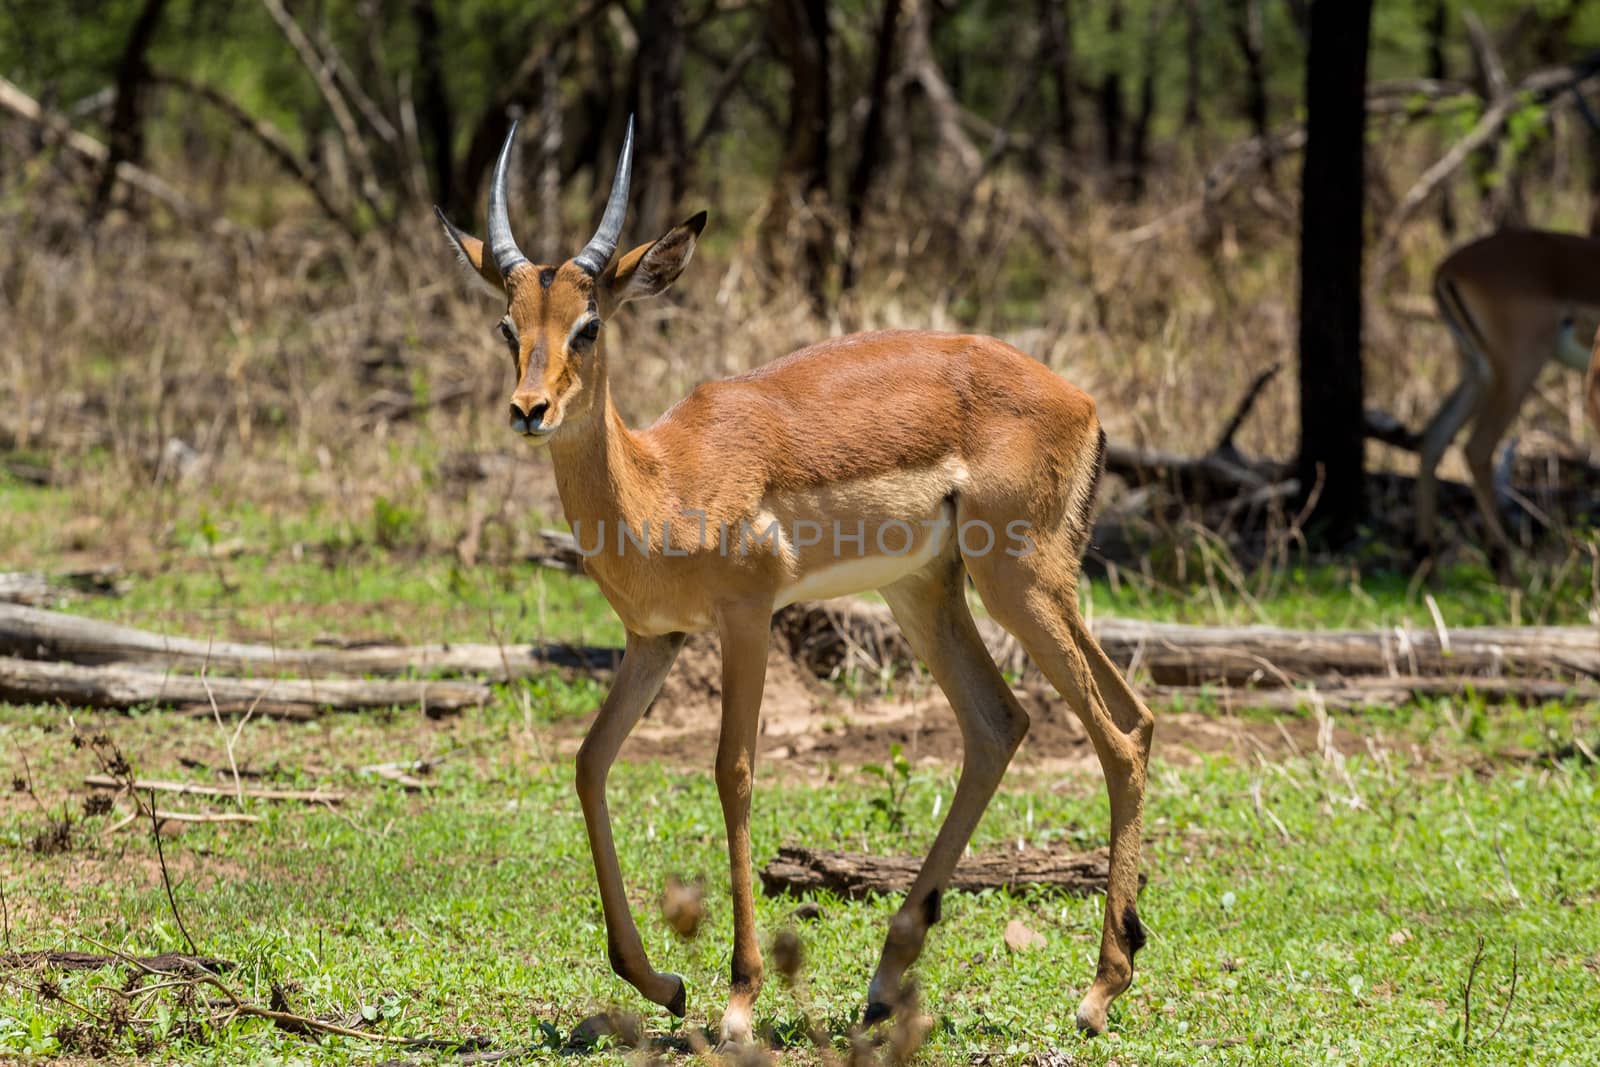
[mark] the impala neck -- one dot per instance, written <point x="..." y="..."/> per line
<point x="602" y="471"/>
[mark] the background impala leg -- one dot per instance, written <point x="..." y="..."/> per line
<point x="744" y="670"/>
<point x="931" y="609"/>
<point x="644" y="666"/>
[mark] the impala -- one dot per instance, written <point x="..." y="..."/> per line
<point x="914" y="445"/>
<point x="1509" y="300"/>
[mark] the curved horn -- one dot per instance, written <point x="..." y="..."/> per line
<point x="503" y="246"/>
<point x="597" y="253"/>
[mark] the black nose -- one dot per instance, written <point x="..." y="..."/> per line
<point x="529" y="421"/>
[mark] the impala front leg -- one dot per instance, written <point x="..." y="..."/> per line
<point x="644" y="666"/>
<point x="745" y="635"/>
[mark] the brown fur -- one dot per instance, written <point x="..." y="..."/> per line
<point x="1508" y="299"/>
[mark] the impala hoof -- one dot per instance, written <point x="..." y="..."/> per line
<point x="679" y="1004"/>
<point x="1091" y="1020"/>
<point x="877" y="1011"/>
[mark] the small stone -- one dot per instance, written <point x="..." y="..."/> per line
<point x="810" y="911"/>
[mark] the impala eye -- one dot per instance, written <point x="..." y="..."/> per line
<point x="591" y="330"/>
<point x="509" y="333"/>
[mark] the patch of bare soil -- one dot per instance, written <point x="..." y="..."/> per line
<point x="808" y="722"/>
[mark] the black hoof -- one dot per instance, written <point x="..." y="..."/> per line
<point x="877" y="1011"/>
<point x="679" y="1004"/>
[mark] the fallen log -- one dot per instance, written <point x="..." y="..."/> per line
<point x="34" y="633"/>
<point x="33" y="588"/>
<point x="1179" y="654"/>
<point x="1353" y="694"/>
<point x="195" y="789"/>
<point x="166" y="963"/>
<point x="855" y="875"/>
<point x="29" y="681"/>
<point x="823" y="636"/>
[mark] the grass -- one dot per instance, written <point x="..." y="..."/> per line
<point x="1324" y="908"/>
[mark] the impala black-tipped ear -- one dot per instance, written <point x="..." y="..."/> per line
<point x="470" y="251"/>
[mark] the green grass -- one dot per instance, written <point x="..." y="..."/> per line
<point x="1319" y="908"/>
<point x="1344" y="936"/>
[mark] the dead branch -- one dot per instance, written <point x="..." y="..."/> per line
<point x="33" y="633"/>
<point x="856" y="875"/>
<point x="195" y="789"/>
<point x="1537" y="88"/>
<point x="33" y="588"/>
<point x="268" y="137"/>
<point x="1247" y="403"/>
<point x="22" y="105"/>
<point x="319" y="69"/>
<point x="165" y="963"/>
<point x="30" y="681"/>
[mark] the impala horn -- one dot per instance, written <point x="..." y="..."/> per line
<point x="507" y="256"/>
<point x="598" y="252"/>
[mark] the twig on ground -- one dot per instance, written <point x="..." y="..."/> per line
<point x="166" y="880"/>
<point x="310" y="796"/>
<point x="1466" y="996"/>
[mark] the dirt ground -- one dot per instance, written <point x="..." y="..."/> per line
<point x="810" y="724"/>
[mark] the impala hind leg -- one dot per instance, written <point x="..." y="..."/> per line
<point x="1037" y="602"/>
<point x="931" y="609"/>
<point x="1436" y="438"/>
<point x="745" y="635"/>
<point x="644" y="666"/>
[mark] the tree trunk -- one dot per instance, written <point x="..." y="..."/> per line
<point x="798" y="208"/>
<point x="433" y="101"/>
<point x="872" y="150"/>
<point x="1331" y="466"/>
<point x="1193" y="40"/>
<point x="663" y="148"/>
<point x="126" y="135"/>
<point x="1139" y="142"/>
<point x="1249" y="32"/>
<point x="1439" y="70"/>
<point x="1111" y="114"/>
<point x="1056" y="19"/>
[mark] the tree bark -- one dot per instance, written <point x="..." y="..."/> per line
<point x="873" y="147"/>
<point x="798" y="207"/>
<point x="1193" y="41"/>
<point x="856" y="875"/>
<point x="1249" y="32"/>
<point x="29" y="681"/>
<point x="1439" y="70"/>
<point x="663" y="148"/>
<point x="1331" y="460"/>
<point x="1111" y="110"/>
<point x="437" y="121"/>
<point x="125" y="140"/>
<point x="1056" y="18"/>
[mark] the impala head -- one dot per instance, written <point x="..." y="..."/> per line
<point x="555" y="315"/>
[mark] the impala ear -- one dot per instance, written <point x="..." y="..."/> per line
<point x="471" y="252"/>
<point x="651" y="268"/>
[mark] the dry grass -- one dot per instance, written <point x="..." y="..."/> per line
<point x="170" y="375"/>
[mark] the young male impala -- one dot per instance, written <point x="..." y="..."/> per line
<point x="1509" y="300"/>
<point x="914" y="445"/>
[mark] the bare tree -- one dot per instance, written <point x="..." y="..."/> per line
<point x="1055" y="16"/>
<point x="437" y="121"/>
<point x="663" y="142"/>
<point x="798" y="208"/>
<point x="126" y="140"/>
<point x="873" y="148"/>
<point x="1249" y="32"/>
<point x="1331" y="462"/>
